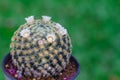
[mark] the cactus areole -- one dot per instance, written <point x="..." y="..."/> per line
<point x="40" y="46"/>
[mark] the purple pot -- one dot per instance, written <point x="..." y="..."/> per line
<point x="9" y="77"/>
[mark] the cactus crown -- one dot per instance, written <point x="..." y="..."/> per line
<point x="40" y="47"/>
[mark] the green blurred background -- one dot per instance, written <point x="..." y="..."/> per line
<point x="94" y="27"/>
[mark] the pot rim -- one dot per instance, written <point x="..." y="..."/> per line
<point x="3" y="66"/>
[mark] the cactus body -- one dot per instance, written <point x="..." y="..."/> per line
<point x="40" y="47"/>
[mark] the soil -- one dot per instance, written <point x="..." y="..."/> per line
<point x="66" y="74"/>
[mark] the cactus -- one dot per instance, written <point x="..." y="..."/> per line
<point x="40" y="47"/>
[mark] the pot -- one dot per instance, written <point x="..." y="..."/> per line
<point x="9" y="77"/>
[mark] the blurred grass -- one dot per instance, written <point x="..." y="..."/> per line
<point x="94" y="27"/>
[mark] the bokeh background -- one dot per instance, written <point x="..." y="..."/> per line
<point x="94" y="27"/>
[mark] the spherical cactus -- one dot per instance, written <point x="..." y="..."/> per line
<point x="40" y="47"/>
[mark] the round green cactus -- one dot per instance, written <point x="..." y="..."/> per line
<point x="40" y="47"/>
